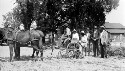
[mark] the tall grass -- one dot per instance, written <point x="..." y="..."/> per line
<point x="116" y="49"/>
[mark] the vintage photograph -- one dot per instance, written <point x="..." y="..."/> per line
<point x="62" y="35"/>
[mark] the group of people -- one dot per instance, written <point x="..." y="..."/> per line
<point x="76" y="37"/>
<point x="99" y="38"/>
<point x="74" y="34"/>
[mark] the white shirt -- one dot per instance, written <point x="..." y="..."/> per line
<point x="83" y="42"/>
<point x="10" y="25"/>
<point x="88" y="35"/>
<point x="104" y="37"/>
<point x="84" y="38"/>
<point x="68" y="32"/>
<point x="75" y="36"/>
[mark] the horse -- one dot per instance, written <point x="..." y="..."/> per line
<point x="38" y="43"/>
<point x="18" y="38"/>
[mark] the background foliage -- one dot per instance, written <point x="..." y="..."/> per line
<point x="51" y="14"/>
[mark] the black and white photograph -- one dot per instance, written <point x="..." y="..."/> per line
<point x="62" y="35"/>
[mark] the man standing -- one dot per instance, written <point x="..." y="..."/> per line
<point x="88" y="41"/>
<point x="83" y="42"/>
<point x="68" y="32"/>
<point x="75" y="39"/>
<point x="75" y="36"/>
<point x="96" y="41"/>
<point x="103" y="42"/>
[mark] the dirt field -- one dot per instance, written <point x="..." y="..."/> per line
<point x="51" y="63"/>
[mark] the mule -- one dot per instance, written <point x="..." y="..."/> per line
<point x="17" y="39"/>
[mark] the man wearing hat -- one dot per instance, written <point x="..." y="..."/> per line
<point x="83" y="41"/>
<point x="103" y="41"/>
<point x="83" y="37"/>
<point x="96" y="37"/>
<point x="68" y="32"/>
<point x="75" y="36"/>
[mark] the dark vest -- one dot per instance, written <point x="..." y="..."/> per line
<point x="96" y="34"/>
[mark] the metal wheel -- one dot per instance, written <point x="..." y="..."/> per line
<point x="61" y="54"/>
<point x="72" y="50"/>
<point x="66" y="42"/>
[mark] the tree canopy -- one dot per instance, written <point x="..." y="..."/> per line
<point x="51" y="14"/>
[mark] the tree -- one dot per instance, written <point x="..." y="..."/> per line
<point x="51" y="14"/>
<point x="10" y="19"/>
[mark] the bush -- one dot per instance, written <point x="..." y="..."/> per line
<point x="116" y="51"/>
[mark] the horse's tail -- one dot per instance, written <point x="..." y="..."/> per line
<point x="40" y="42"/>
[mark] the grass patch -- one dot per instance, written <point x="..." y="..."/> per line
<point x="116" y="51"/>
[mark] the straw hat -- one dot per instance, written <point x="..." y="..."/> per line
<point x="82" y="32"/>
<point x="74" y="30"/>
<point x="21" y="25"/>
<point x="102" y="26"/>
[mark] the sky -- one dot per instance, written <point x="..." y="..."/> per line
<point x="115" y="16"/>
<point x="5" y="6"/>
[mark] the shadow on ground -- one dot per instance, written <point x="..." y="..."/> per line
<point x="22" y="58"/>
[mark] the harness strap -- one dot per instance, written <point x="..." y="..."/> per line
<point x="30" y="36"/>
